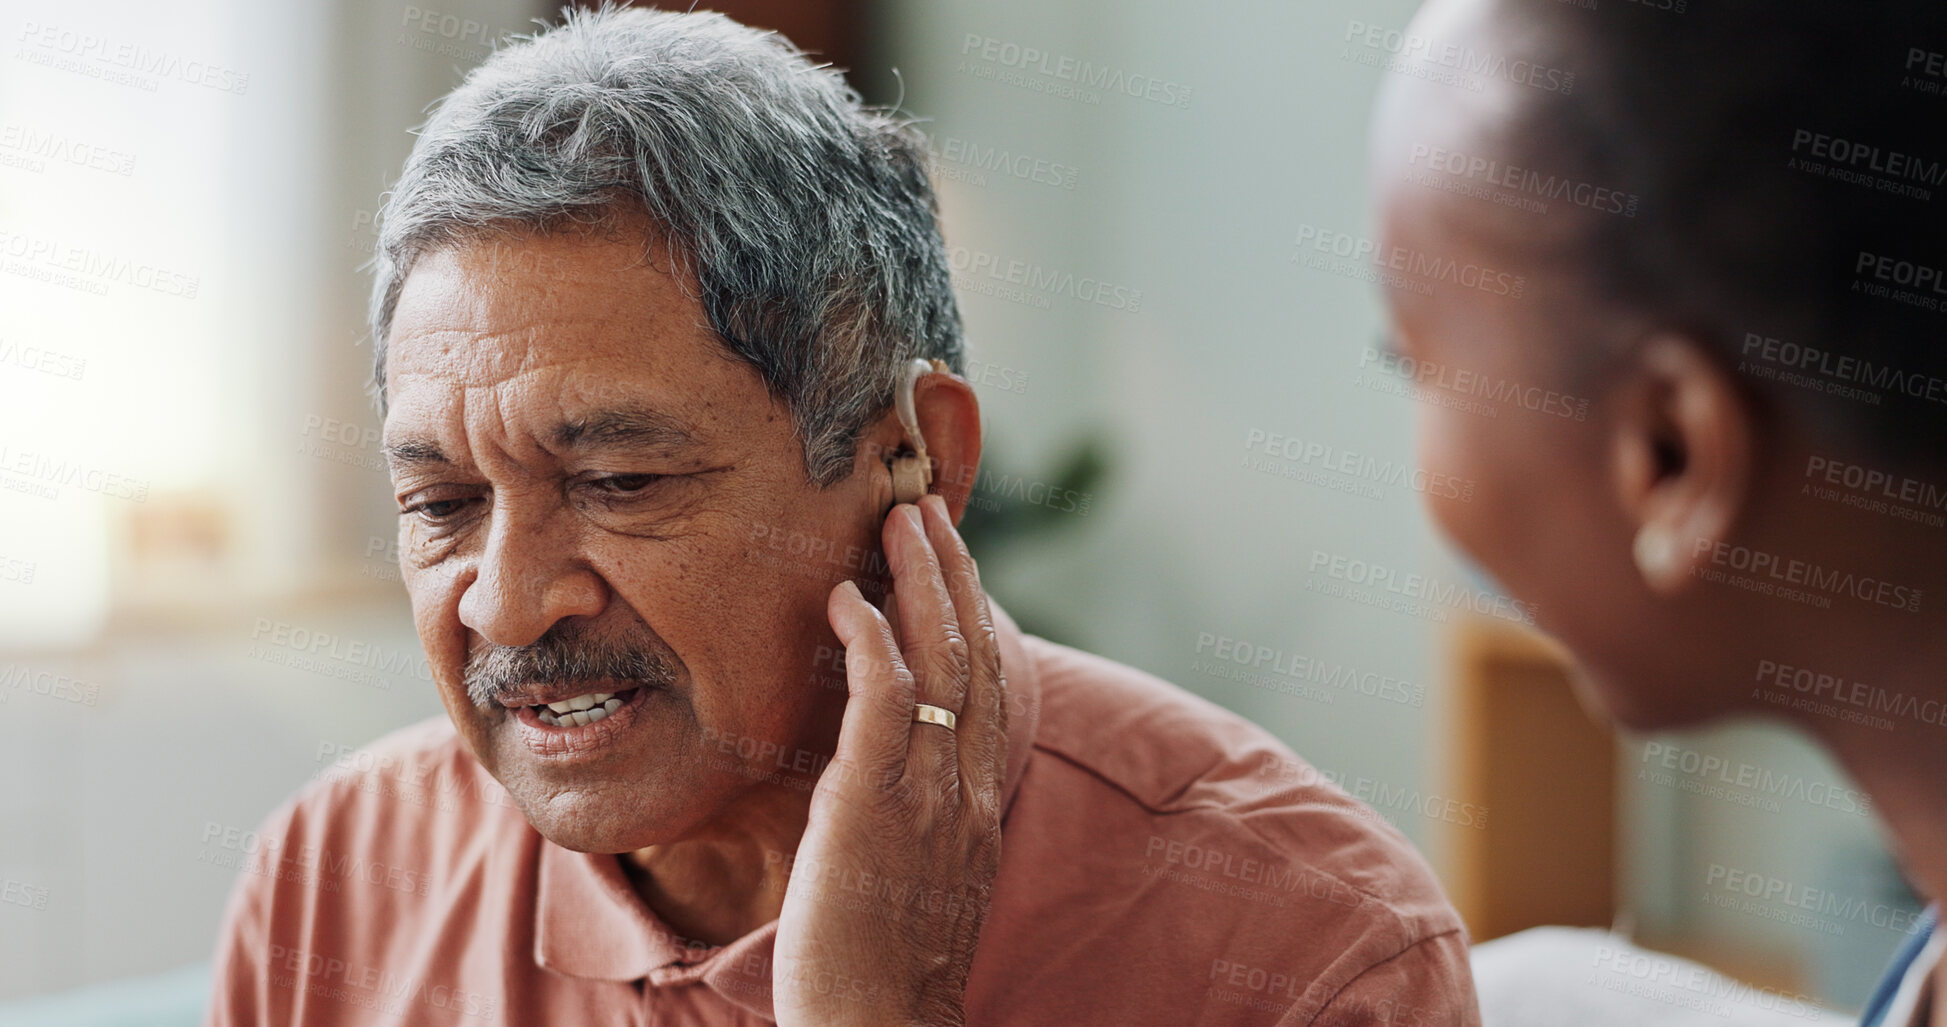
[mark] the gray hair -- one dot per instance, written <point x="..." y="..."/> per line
<point x="805" y="218"/>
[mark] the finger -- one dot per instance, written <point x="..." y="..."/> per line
<point x="983" y="716"/>
<point x="872" y="736"/>
<point x="932" y="643"/>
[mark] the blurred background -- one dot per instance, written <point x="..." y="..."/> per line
<point x="200" y="608"/>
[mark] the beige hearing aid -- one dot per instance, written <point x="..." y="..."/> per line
<point x="912" y="474"/>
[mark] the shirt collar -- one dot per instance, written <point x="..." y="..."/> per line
<point x="590" y="923"/>
<point x="1893" y="1002"/>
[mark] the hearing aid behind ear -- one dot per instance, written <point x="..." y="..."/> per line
<point x="912" y="474"/>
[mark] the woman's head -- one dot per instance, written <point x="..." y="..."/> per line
<point x="1673" y="282"/>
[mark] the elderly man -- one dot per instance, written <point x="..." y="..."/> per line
<point x="649" y="290"/>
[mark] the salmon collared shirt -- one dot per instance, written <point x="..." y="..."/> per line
<point x="1163" y="861"/>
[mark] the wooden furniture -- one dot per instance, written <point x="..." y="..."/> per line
<point x="1546" y="772"/>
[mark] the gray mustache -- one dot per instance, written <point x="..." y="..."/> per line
<point x="563" y="656"/>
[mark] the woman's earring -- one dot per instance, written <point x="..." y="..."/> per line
<point x="1655" y="552"/>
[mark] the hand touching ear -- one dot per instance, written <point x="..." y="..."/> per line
<point x="912" y="805"/>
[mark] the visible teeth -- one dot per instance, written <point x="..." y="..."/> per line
<point x="580" y="702"/>
<point x="579" y="711"/>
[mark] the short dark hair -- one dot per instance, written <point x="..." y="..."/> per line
<point x="1714" y="115"/>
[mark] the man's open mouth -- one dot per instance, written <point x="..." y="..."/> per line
<point x="577" y="725"/>
<point x="582" y="710"/>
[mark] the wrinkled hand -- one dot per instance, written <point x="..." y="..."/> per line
<point x="891" y="880"/>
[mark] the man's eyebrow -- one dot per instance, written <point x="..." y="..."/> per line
<point x="627" y="426"/>
<point x="415" y="452"/>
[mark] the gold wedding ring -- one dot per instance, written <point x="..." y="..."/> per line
<point x="924" y="714"/>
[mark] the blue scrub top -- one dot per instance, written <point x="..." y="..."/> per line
<point x="1889" y="985"/>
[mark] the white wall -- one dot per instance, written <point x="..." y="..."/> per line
<point x="1197" y="206"/>
<point x="146" y="712"/>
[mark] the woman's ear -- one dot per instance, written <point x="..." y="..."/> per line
<point x="1683" y="457"/>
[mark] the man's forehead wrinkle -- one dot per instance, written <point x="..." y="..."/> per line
<point x="502" y="424"/>
<point x="486" y="363"/>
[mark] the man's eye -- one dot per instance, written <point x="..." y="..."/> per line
<point x="625" y="485"/>
<point x="436" y="510"/>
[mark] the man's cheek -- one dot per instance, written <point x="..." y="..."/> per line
<point x="435" y="596"/>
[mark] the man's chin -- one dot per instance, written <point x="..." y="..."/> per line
<point x="603" y="820"/>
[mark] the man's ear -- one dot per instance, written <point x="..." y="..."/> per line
<point x="949" y="418"/>
<point x="1682" y="456"/>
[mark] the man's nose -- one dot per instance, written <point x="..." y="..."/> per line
<point x="527" y="582"/>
